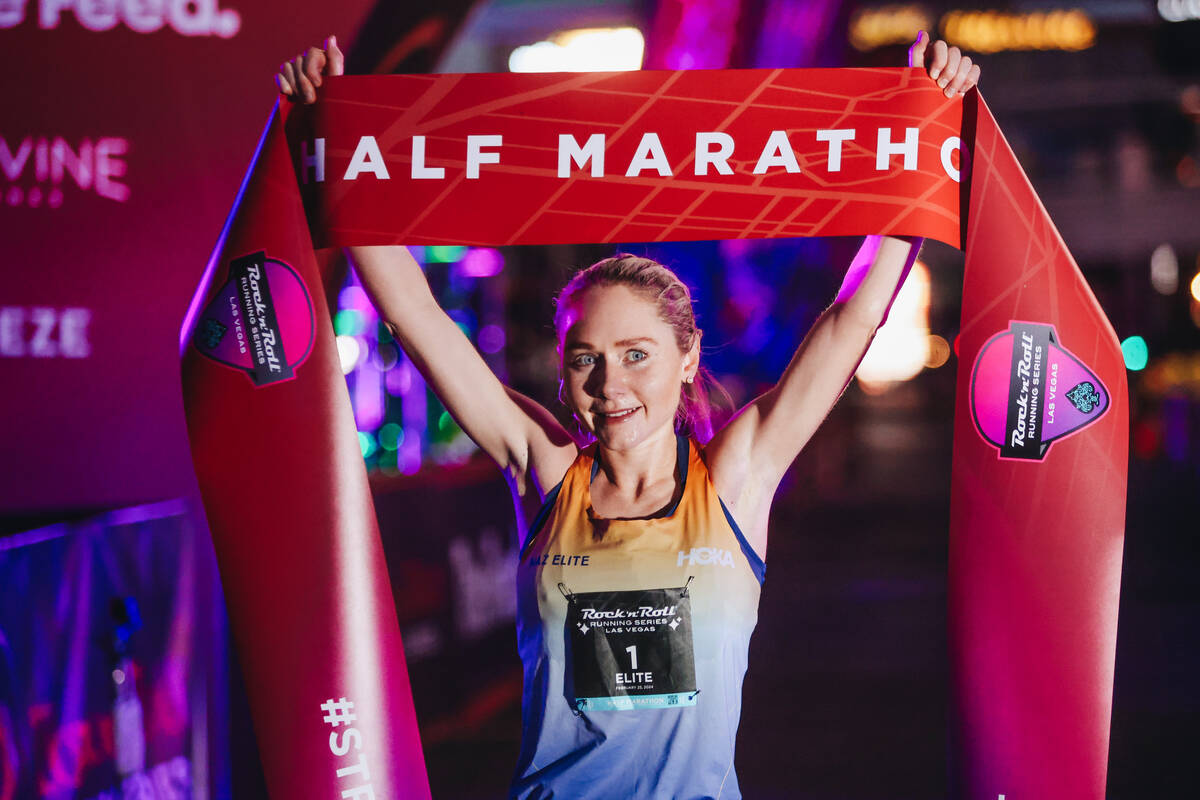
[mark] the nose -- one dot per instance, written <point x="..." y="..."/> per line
<point x="604" y="382"/>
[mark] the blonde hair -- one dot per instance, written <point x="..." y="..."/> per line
<point x="693" y="417"/>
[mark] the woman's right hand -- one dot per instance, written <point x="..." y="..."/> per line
<point x="298" y="79"/>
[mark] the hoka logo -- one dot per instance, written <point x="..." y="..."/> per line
<point x="705" y="555"/>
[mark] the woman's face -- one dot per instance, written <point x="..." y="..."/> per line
<point x="621" y="366"/>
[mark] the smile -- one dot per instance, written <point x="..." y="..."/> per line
<point x="615" y="416"/>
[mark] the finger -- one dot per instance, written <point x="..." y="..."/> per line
<point x="939" y="59"/>
<point x="303" y="84"/>
<point x="916" y="53"/>
<point x="972" y="79"/>
<point x="289" y="76"/>
<point x="314" y="63"/>
<point x="337" y="62"/>
<point x="959" y="81"/>
<point x="950" y="71"/>
<point x="282" y="83"/>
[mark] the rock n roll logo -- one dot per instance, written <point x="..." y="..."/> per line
<point x="1028" y="391"/>
<point x="260" y="321"/>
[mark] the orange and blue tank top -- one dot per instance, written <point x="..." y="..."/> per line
<point x="634" y="636"/>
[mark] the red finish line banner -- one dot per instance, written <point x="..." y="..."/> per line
<point x="1041" y="430"/>
<point x="629" y="156"/>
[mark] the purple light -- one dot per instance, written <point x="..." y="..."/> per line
<point x="368" y="395"/>
<point x="399" y="380"/>
<point x="481" y="262"/>
<point x="355" y="297"/>
<point x="693" y="34"/>
<point x="491" y="339"/>
<point x="413" y="410"/>
<point x="797" y="34"/>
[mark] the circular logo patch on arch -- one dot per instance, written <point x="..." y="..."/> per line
<point x="1028" y="391"/>
<point x="260" y="321"/>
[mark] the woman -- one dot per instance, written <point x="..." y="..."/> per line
<point x="639" y="579"/>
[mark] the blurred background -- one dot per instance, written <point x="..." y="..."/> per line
<point x="126" y="130"/>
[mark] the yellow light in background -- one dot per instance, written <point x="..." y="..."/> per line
<point x="1194" y="288"/>
<point x="939" y="352"/>
<point x="890" y="24"/>
<point x="901" y="346"/>
<point x="582" y="50"/>
<point x="993" y="31"/>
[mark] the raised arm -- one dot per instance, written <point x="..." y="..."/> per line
<point x="518" y="434"/>
<point x="749" y="455"/>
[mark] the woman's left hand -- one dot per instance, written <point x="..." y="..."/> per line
<point x="952" y="70"/>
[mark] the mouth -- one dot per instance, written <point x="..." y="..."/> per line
<point x="615" y="416"/>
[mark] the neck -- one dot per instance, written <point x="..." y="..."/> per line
<point x="632" y="472"/>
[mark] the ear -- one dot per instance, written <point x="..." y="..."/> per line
<point x="691" y="360"/>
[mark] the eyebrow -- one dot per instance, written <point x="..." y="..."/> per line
<point x="622" y="343"/>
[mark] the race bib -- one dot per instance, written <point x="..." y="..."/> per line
<point x="631" y="650"/>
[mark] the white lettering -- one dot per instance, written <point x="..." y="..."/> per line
<point x="340" y="748"/>
<point x="419" y="170"/>
<point x="144" y="16"/>
<point x="314" y="160"/>
<point x="201" y="17"/>
<point x="835" y="137"/>
<point x="12" y="332"/>
<point x="109" y="166"/>
<point x="96" y="15"/>
<point x="93" y="167"/>
<point x="12" y="13"/>
<point x="649" y="155"/>
<point x="13" y="165"/>
<point x="706" y="157"/>
<point x="49" y="10"/>
<point x="187" y="17"/>
<point x="777" y="152"/>
<point x="569" y="150"/>
<point x="41" y="159"/>
<point x="366" y="158"/>
<point x="41" y="345"/>
<point x="63" y="158"/>
<point x="951" y="144"/>
<point x="1053" y="392"/>
<point x="482" y="574"/>
<point x="40" y="341"/>
<point x="705" y="555"/>
<point x="886" y="149"/>
<point x="360" y="767"/>
<point x="638" y="678"/>
<point x="476" y="155"/>
<point x="72" y="333"/>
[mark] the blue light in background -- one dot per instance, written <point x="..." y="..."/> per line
<point x="1136" y="353"/>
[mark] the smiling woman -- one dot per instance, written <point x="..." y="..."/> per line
<point x="638" y="583"/>
<point x="637" y="294"/>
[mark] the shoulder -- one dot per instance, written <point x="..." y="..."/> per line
<point x="746" y="494"/>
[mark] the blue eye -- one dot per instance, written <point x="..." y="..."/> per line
<point x="584" y="360"/>
<point x="637" y="355"/>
